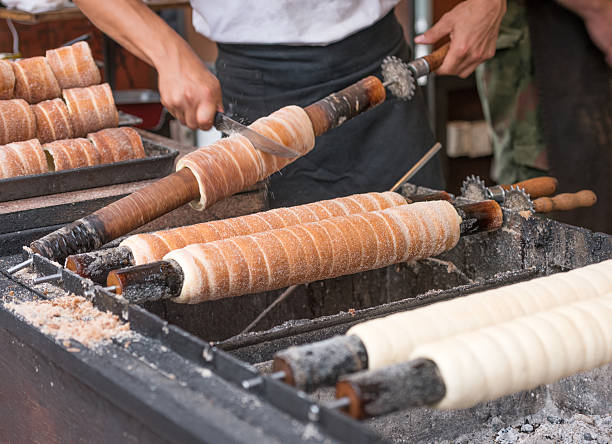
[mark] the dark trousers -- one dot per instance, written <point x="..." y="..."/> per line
<point x="370" y="152"/>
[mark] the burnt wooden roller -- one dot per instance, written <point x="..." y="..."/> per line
<point x="304" y="253"/>
<point x="310" y="366"/>
<point x="565" y="201"/>
<point x="337" y="108"/>
<point x="96" y="265"/>
<point x="179" y="188"/>
<point x="120" y="217"/>
<point x="414" y="383"/>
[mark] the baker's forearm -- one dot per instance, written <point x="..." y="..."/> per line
<point x="135" y="27"/>
<point x="585" y="8"/>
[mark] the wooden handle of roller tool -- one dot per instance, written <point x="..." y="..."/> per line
<point x="537" y="187"/>
<point x="436" y="58"/>
<point x="341" y="106"/>
<point x="565" y="201"/>
<point x="120" y="217"/>
<point x="410" y="384"/>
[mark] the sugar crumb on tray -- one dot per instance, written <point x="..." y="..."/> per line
<point x="72" y="317"/>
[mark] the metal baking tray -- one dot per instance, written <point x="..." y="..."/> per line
<point x="126" y="119"/>
<point x="158" y="163"/>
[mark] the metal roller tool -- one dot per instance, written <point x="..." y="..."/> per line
<point x="530" y="194"/>
<point x="401" y="77"/>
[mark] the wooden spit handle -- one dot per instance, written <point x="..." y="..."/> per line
<point x="177" y="189"/>
<point x="537" y="187"/>
<point x="436" y="58"/>
<point x="565" y="201"/>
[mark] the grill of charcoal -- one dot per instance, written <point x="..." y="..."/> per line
<point x="190" y="373"/>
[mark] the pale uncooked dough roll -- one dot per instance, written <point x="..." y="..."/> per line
<point x="71" y="153"/>
<point x="317" y="250"/>
<point x="17" y="121"/>
<point x="232" y="164"/>
<point x="523" y="353"/>
<point x="34" y="80"/>
<point x="117" y="144"/>
<point x="91" y="109"/>
<point x="150" y="247"/>
<point x="74" y="66"/>
<point x="391" y="340"/>
<point x="52" y="120"/>
<point x="22" y="159"/>
<point x="7" y="80"/>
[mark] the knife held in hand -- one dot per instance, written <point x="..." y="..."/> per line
<point x="229" y="126"/>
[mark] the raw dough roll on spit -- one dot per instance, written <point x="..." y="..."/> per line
<point x="34" y="80"/>
<point x="7" y="80"/>
<point x="52" y="121"/>
<point x="91" y="109"/>
<point x="22" y="158"/>
<point x="523" y="353"/>
<point x="232" y="164"/>
<point x="392" y="339"/>
<point x="117" y="144"/>
<point x="74" y="66"/>
<point x="314" y="251"/>
<point x="71" y="153"/>
<point x="150" y="247"/>
<point x="17" y="121"/>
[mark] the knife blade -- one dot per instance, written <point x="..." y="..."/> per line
<point x="229" y="126"/>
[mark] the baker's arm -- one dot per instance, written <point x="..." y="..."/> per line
<point x="188" y="90"/>
<point x="472" y="27"/>
<point x="597" y="16"/>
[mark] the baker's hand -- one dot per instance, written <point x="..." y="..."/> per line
<point x="472" y="26"/>
<point x="189" y="91"/>
<point x="597" y="16"/>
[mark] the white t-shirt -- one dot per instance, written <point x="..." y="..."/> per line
<point x="287" y="22"/>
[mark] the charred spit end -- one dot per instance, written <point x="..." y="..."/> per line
<point x="78" y="237"/>
<point x="321" y="363"/>
<point x="480" y="216"/>
<point x="409" y="384"/>
<point x="97" y="264"/>
<point x="440" y="195"/>
<point x="148" y="282"/>
<point x="337" y="108"/>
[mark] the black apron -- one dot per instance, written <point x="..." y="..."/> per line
<point x="370" y="152"/>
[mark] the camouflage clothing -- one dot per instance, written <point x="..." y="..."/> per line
<point x="506" y="86"/>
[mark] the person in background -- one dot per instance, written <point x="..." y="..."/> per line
<point x="508" y="93"/>
<point x="285" y="52"/>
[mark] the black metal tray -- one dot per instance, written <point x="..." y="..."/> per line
<point x="278" y="411"/>
<point x="158" y="163"/>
